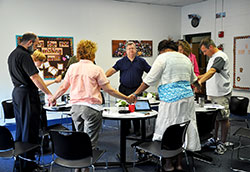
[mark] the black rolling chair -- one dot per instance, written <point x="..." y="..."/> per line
<point x="238" y="109"/>
<point x="11" y="149"/>
<point x="73" y="150"/>
<point x="8" y="109"/>
<point x="205" y="125"/>
<point x="44" y="131"/>
<point x="65" y="98"/>
<point x="171" y="144"/>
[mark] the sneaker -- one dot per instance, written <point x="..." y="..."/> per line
<point x="220" y="149"/>
<point x="228" y="144"/>
<point x="141" y="155"/>
<point x="40" y="169"/>
<point x="211" y="143"/>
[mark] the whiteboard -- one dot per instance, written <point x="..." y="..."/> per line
<point x="241" y="63"/>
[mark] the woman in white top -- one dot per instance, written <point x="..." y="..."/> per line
<point x="175" y="74"/>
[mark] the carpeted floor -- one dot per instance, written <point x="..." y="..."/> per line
<point x="109" y="140"/>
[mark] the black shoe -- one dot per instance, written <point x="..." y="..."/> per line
<point x="40" y="169"/>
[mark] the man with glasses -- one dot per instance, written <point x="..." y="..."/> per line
<point x="26" y="102"/>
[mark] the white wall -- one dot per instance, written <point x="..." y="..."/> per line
<point x="97" y="20"/>
<point x="236" y="23"/>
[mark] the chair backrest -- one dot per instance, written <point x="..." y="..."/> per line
<point x="238" y="105"/>
<point x="8" y="109"/>
<point x="205" y="123"/>
<point x="6" y="139"/>
<point x="174" y="136"/>
<point x="65" y="98"/>
<point x="71" y="145"/>
<point x="103" y="100"/>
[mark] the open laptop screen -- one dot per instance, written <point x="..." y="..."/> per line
<point x="142" y="105"/>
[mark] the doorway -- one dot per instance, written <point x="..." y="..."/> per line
<point x="202" y="60"/>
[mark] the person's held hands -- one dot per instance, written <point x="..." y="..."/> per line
<point x="131" y="98"/>
<point x="197" y="90"/>
<point x="198" y="86"/>
<point x="51" y="100"/>
<point x="58" y="79"/>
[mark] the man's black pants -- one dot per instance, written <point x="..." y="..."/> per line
<point x="27" y="110"/>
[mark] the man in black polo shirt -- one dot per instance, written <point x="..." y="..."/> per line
<point x="26" y="102"/>
<point x="131" y="70"/>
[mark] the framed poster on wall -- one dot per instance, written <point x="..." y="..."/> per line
<point x="143" y="48"/>
<point x="241" y="63"/>
<point x="57" y="50"/>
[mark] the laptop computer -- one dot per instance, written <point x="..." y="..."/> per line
<point x="142" y="105"/>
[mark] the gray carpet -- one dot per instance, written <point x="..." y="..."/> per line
<point x="109" y="140"/>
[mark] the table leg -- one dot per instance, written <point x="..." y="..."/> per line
<point x="122" y="142"/>
<point x="143" y="129"/>
<point x="123" y="138"/>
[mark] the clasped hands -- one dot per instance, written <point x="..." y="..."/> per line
<point x="131" y="98"/>
<point x="51" y="100"/>
<point x="198" y="86"/>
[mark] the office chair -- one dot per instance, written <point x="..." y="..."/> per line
<point x="73" y="150"/>
<point x="11" y="149"/>
<point x="107" y="104"/>
<point x="65" y="98"/>
<point x="44" y="131"/>
<point x="170" y="146"/>
<point x="205" y="125"/>
<point x="241" y="133"/>
<point x="8" y="109"/>
<point x="238" y="109"/>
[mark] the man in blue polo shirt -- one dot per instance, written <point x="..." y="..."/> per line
<point x="131" y="69"/>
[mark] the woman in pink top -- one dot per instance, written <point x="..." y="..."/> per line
<point x="185" y="48"/>
<point x="86" y="79"/>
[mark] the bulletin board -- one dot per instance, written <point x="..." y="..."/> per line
<point x="57" y="50"/>
<point x="241" y="62"/>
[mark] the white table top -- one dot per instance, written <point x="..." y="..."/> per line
<point x="152" y="101"/>
<point x="57" y="107"/>
<point x="208" y="107"/>
<point x="109" y="112"/>
<point x="112" y="113"/>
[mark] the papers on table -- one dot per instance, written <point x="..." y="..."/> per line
<point x="213" y="106"/>
<point x="208" y="107"/>
<point x="152" y="101"/>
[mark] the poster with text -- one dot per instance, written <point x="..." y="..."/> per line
<point x="58" y="50"/>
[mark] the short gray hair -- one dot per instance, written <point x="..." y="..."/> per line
<point x="207" y="42"/>
<point x="130" y="43"/>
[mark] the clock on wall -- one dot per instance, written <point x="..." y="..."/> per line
<point x="195" y="21"/>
